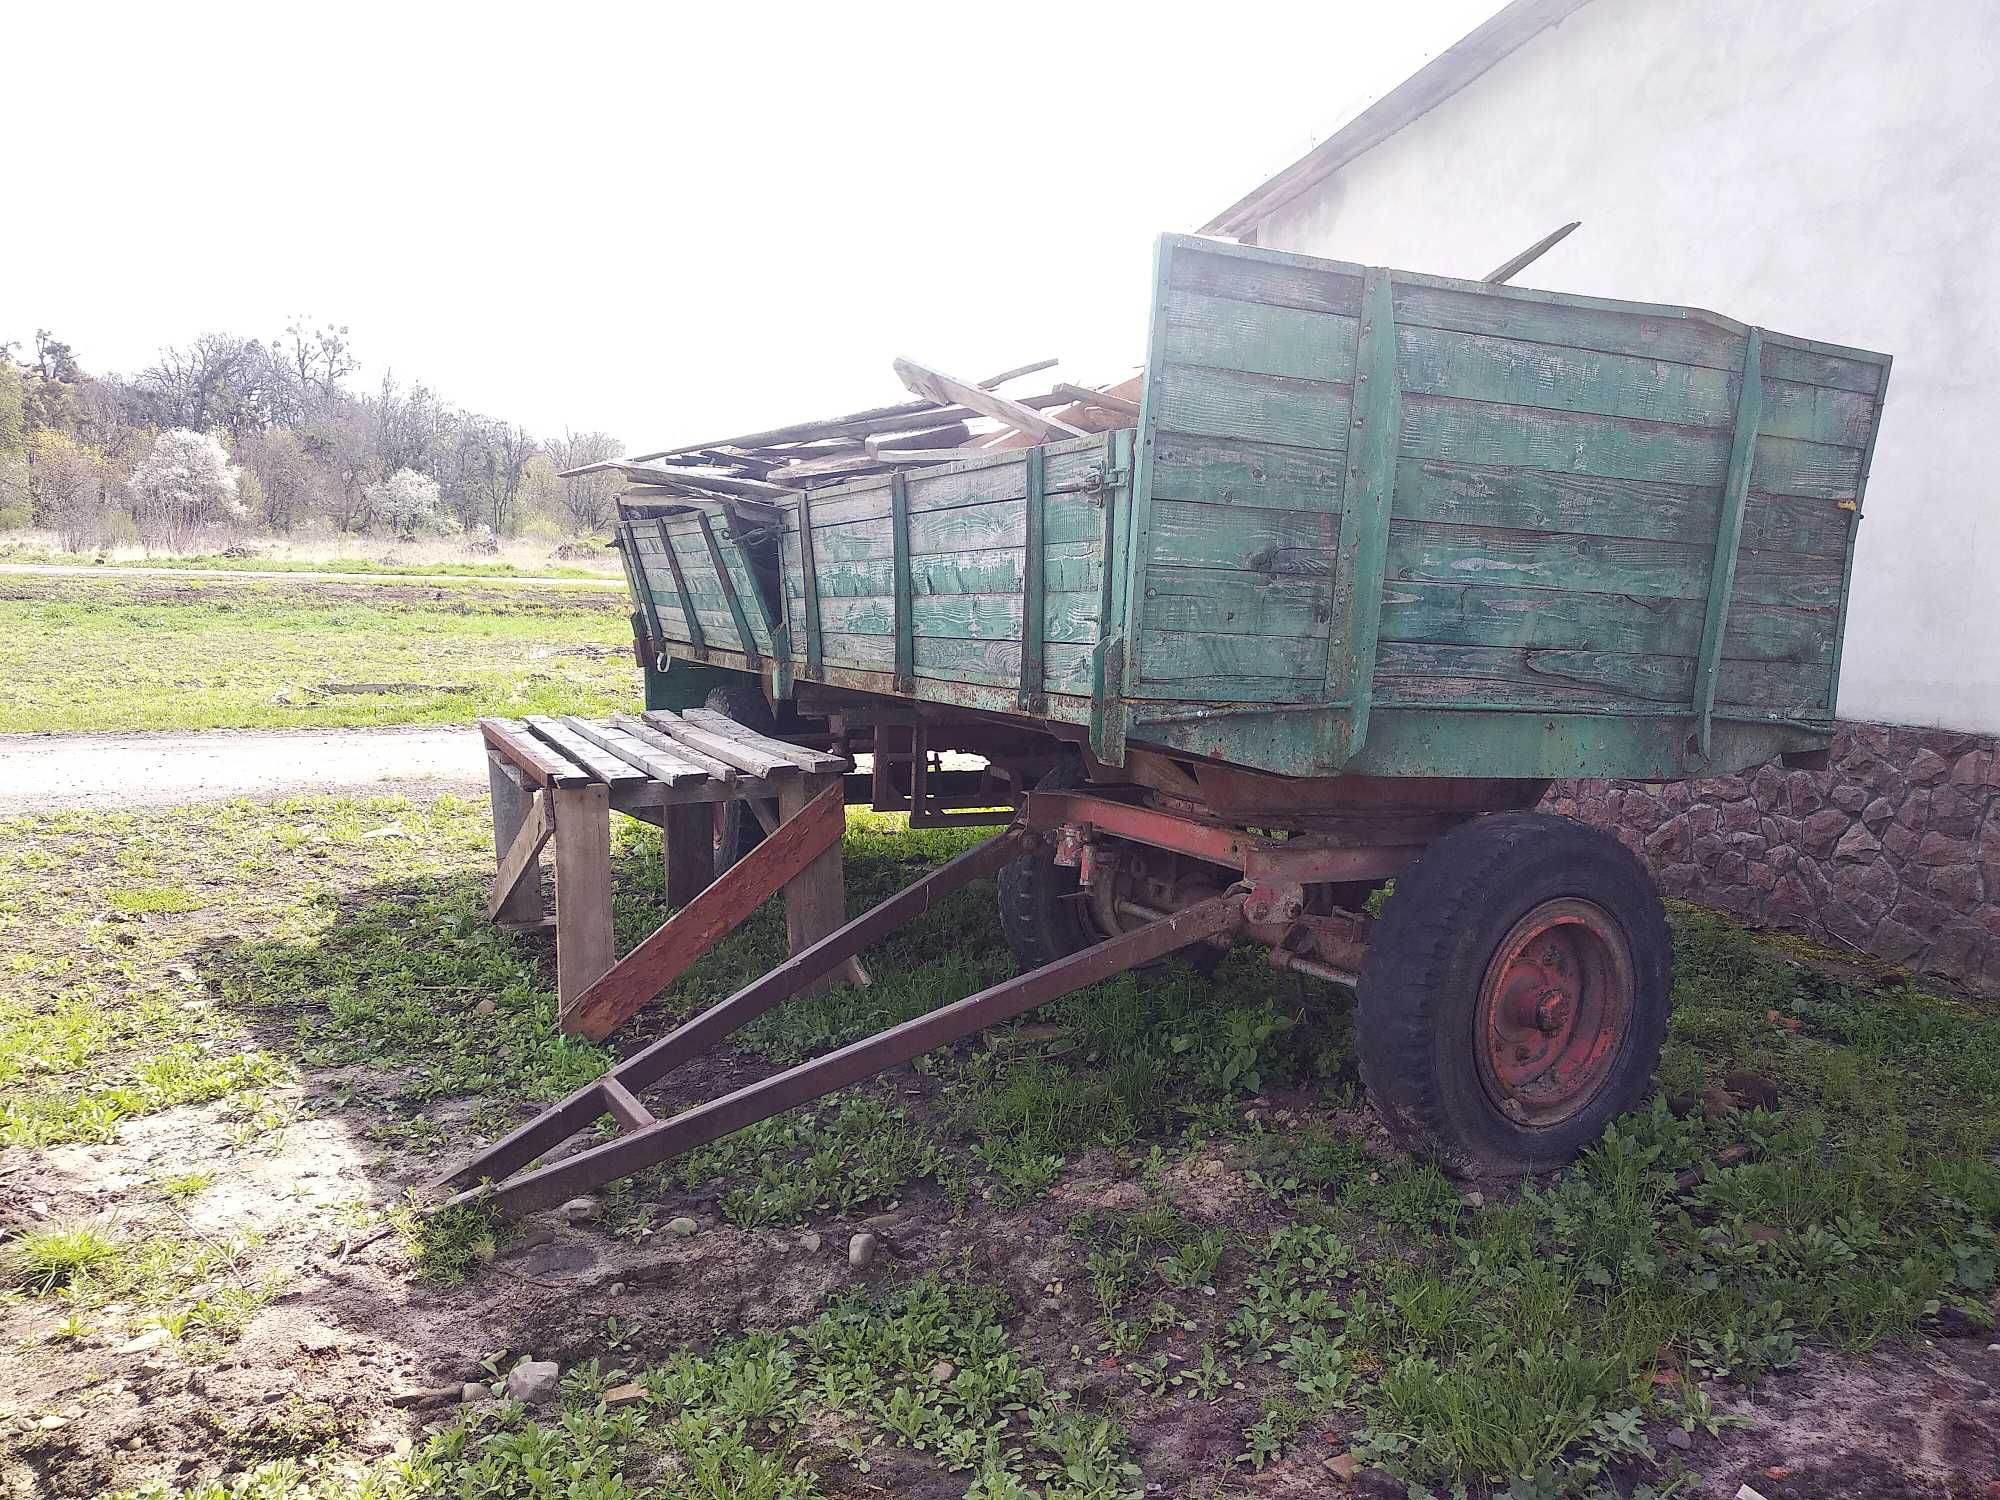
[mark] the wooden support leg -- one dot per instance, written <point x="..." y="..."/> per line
<point x="687" y="848"/>
<point x="585" y="948"/>
<point x="512" y="803"/>
<point x="816" y="897"/>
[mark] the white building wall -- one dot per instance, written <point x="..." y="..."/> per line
<point x="1829" y="169"/>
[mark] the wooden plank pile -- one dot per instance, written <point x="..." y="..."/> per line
<point x="951" y="418"/>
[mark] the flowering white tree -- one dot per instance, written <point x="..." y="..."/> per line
<point x="409" y="504"/>
<point x="185" y="484"/>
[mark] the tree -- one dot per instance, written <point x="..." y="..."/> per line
<point x="288" y="477"/>
<point x="498" y="455"/>
<point x="185" y="484"/>
<point x="67" y="482"/>
<point x="588" y="501"/>
<point x="407" y="503"/>
<point x="219" y="381"/>
<point x="14" y="511"/>
<point x="319" y="358"/>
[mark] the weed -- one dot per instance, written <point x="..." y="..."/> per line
<point x="45" y="1260"/>
<point x="448" y="1243"/>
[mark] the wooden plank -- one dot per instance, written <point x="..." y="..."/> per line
<point x="815" y="897"/>
<point x="635" y="584"/>
<point x="689" y="623"/>
<point x="622" y="1105"/>
<point x="746" y="639"/>
<point x="941" y="387"/>
<point x="1582" y="504"/>
<point x="1429" y="552"/>
<point x="1221" y="662"/>
<point x="664" y="766"/>
<point x="1260" y="541"/>
<point x="646" y="734"/>
<point x="972" y="479"/>
<point x="687" y="851"/>
<point x="1416" y="675"/>
<point x="1102" y="400"/>
<point x="1269" y="476"/>
<point x="947" y="661"/>
<point x="585" y="943"/>
<point x="1262" y="408"/>
<point x="744" y="757"/>
<point x="1496" y="615"/>
<point x="513" y="805"/>
<point x="1227" y="333"/>
<point x="519" y="862"/>
<point x="946" y="533"/>
<point x="1364" y="518"/>
<point x="948" y="436"/>
<point x="543" y="764"/>
<point x="1067" y="567"/>
<point x="673" y="948"/>
<point x="1033" y="603"/>
<point x="1320" y="288"/>
<point x="1728" y="537"/>
<point x="1069" y="616"/>
<point x="603" y="766"/>
<point x="819" y="762"/>
<point x="1227" y="602"/>
<point x="899" y="533"/>
<point x="800" y="534"/>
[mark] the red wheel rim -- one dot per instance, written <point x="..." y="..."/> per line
<point x="1554" y="1009"/>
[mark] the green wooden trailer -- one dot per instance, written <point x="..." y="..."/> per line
<point x="1383" y="554"/>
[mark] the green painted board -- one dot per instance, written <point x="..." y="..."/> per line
<point x="1552" y="582"/>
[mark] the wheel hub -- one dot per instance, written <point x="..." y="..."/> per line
<point x="1554" y="1008"/>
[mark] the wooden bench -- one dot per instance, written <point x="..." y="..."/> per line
<point x="559" y="780"/>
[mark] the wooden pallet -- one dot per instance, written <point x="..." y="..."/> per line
<point x="557" y="781"/>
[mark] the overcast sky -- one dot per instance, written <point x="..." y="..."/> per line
<point x="670" y="222"/>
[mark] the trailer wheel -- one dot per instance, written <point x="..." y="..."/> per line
<point x="1043" y="914"/>
<point x="1514" y="994"/>
<point x="737" y="830"/>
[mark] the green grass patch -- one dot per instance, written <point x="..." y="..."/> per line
<point x="119" y="653"/>
<point x="154" y="900"/>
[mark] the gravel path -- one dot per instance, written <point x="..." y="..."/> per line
<point x="59" y="772"/>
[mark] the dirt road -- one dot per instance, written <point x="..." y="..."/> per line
<point x="85" y="570"/>
<point x="58" y="772"/>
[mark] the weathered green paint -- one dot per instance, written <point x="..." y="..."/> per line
<point x="1364" y="519"/>
<point x="696" y="637"/>
<point x="746" y="640"/>
<point x="1032" y="624"/>
<point x="634" y="575"/>
<point x="899" y="525"/>
<point x="1378" y="522"/>
<point x="1728" y="535"/>
<point x="809" y="576"/>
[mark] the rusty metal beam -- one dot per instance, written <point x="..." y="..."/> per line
<point x="643" y="1148"/>
<point x="647" y="1066"/>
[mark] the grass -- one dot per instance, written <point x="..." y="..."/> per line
<point x="430" y="559"/>
<point x="109" y="653"/>
<point x="1271" y="1269"/>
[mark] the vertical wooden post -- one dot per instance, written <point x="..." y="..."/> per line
<point x="511" y="804"/>
<point x="815" y="898"/>
<point x="585" y="947"/>
<point x="687" y="850"/>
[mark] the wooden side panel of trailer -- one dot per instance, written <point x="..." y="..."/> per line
<point x="1585" y="508"/>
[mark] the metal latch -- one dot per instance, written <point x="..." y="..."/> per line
<point x="1101" y="477"/>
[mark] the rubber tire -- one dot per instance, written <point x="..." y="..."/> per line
<point x="1420" y="981"/>
<point x="1040" y="915"/>
<point x="737" y="829"/>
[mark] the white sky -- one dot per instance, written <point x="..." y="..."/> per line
<point x="666" y="221"/>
